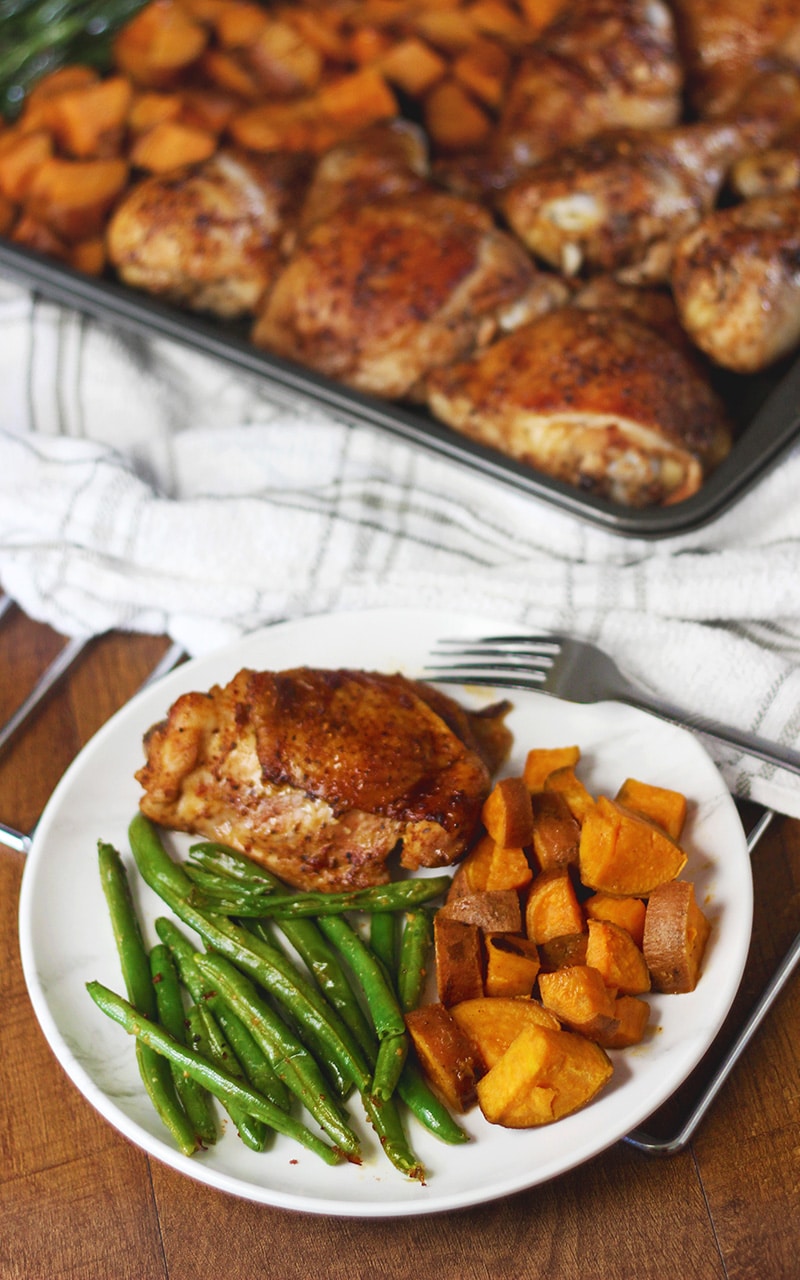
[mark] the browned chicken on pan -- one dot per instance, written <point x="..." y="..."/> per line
<point x="619" y="201"/>
<point x="767" y="172"/>
<point x="602" y="64"/>
<point x="320" y="775"/>
<point x="595" y="399"/>
<point x="736" y="282"/>
<point x="209" y="238"/>
<point x="726" y="42"/>
<point x="378" y="295"/>
<point x="386" y="160"/>
<point x="649" y="304"/>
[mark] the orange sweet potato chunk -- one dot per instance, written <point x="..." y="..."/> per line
<point x="613" y="952"/>
<point x="541" y="761"/>
<point x="628" y="913"/>
<point x="172" y="145"/>
<point x="507" y="813"/>
<point x="458" y="952"/>
<point x="445" y="1054"/>
<point x="496" y="910"/>
<point x="89" y="121"/>
<point x="74" y="196"/>
<point x="623" y="853"/>
<point x="542" y="1076"/>
<point x="675" y="936"/>
<point x="566" y="782"/>
<point x="632" y="1016"/>
<point x="552" y="908"/>
<point x="491" y="1024"/>
<point x="556" y="832"/>
<point x="659" y="804"/>
<point x="512" y="965"/>
<point x="579" y="997"/>
<point x="159" y="42"/>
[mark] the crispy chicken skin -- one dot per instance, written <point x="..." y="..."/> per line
<point x="725" y="42"/>
<point x="319" y="775"/>
<point x="736" y="282"/>
<point x="619" y="201"/>
<point x="593" y="398"/>
<point x="378" y="295"/>
<point x="209" y="238"/>
<point x="602" y="64"/>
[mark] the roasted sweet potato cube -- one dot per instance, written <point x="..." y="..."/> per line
<point x="507" y="813"/>
<point x="579" y="997"/>
<point x="659" y="804"/>
<point x="88" y="256"/>
<point x="21" y="156"/>
<point x="491" y="866"/>
<point x="492" y="1023"/>
<point x="552" y="907"/>
<point x="632" y="1016"/>
<point x="628" y="913"/>
<point x="358" y="99"/>
<point x="239" y="23"/>
<point x="158" y="43"/>
<point x="453" y="119"/>
<point x="567" y="783"/>
<point x="34" y="234"/>
<point x="541" y="761"/>
<point x="74" y="196"/>
<point x="284" y="63"/>
<point x="458" y="952"/>
<point x="556" y="833"/>
<point x="512" y="965"/>
<point x="495" y="910"/>
<point x="557" y="953"/>
<point x="413" y="66"/>
<point x="8" y="215"/>
<point x="509" y="868"/>
<point x="614" y="953"/>
<point x="150" y="108"/>
<point x="621" y="852"/>
<point x="445" y="1054"/>
<point x="675" y="936"/>
<point x="483" y="70"/>
<point x="88" y="122"/>
<point x="542" y="1076"/>
<point x="172" y="145"/>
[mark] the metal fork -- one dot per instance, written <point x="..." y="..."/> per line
<point x="580" y="672"/>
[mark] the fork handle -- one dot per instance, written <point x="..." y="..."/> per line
<point x="748" y="743"/>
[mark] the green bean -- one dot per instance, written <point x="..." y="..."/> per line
<point x="321" y="958"/>
<point x="213" y="885"/>
<point x="135" y="965"/>
<point x="172" y="1016"/>
<point x="299" y="1071"/>
<point x="400" y="895"/>
<point x="323" y="1029"/>
<point x="420" y="1099"/>
<point x="207" y="1040"/>
<point x="383" y="938"/>
<point x="415" y="945"/>
<point x="252" y="1060"/>
<point x="384" y="1115"/>
<point x="386" y="1014"/>
<point x="222" y="861"/>
<point x="224" y="1086"/>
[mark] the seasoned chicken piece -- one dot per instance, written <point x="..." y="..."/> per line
<point x="725" y="42"/>
<point x="650" y="305"/>
<point x="595" y="399"/>
<point x="619" y="201"/>
<point x="378" y="295"/>
<point x="768" y="172"/>
<point x="209" y="238"/>
<point x="388" y="159"/>
<point x="736" y="281"/>
<point x="320" y="775"/>
<point x="603" y="64"/>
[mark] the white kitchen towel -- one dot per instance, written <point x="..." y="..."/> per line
<point x="144" y="486"/>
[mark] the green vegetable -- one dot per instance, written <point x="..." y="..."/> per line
<point x="397" y="896"/>
<point x="172" y="1016"/>
<point x="420" y="1099"/>
<point x="135" y="966"/>
<point x="40" y="36"/>
<point x="415" y="945"/>
<point x="209" y="1042"/>
<point x="224" y="1086"/>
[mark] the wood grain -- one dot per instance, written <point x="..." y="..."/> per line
<point x="79" y="1202"/>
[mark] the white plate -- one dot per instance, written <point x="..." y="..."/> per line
<point x="66" y="937"/>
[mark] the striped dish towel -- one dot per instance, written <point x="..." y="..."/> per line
<point x="146" y="487"/>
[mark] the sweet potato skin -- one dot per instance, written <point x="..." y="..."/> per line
<point x="445" y="1054"/>
<point x="676" y="932"/>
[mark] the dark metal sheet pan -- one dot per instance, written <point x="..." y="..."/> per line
<point x="766" y="410"/>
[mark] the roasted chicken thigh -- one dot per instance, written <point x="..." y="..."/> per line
<point x="593" y="398"/>
<point x="619" y="201"/>
<point x="320" y="775"/>
<point x="211" y="237"/>
<point x="378" y="295"/>
<point x="736" y="281"/>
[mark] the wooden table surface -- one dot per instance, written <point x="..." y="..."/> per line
<point x="79" y="1201"/>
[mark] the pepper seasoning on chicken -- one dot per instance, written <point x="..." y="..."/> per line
<point x="595" y="399"/>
